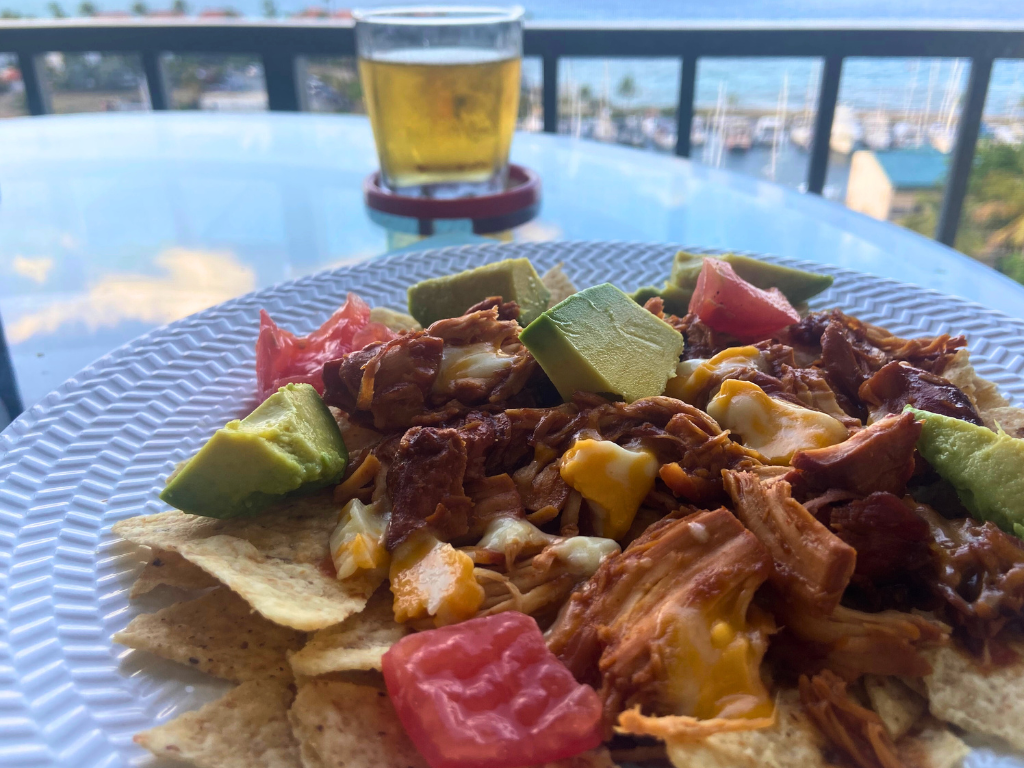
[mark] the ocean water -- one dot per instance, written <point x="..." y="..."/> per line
<point x="892" y="85"/>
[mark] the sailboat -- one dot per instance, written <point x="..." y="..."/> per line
<point x="877" y="131"/>
<point x="846" y="131"/>
<point x="802" y="132"/>
<point x="943" y="133"/>
<point x="698" y="131"/>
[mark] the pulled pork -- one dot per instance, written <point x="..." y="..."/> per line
<point x="471" y="360"/>
<point x="879" y="458"/>
<point x="641" y="629"/>
<point x="857" y="731"/>
<point x="897" y="385"/>
<point x="812" y="564"/>
<point x="980" y="578"/>
<point x="890" y="538"/>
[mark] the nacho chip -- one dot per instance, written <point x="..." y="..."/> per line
<point x="296" y="530"/>
<point x="1008" y="418"/>
<point x="217" y="633"/>
<point x="897" y="705"/>
<point x="983" y="394"/>
<point x="245" y="728"/>
<point x="172" y="570"/>
<point x="358" y="643"/>
<point x="343" y="725"/>
<point x="962" y="693"/>
<point x="297" y="595"/>
<point x="792" y="741"/>
<point x="558" y="284"/>
<point x="934" y="746"/>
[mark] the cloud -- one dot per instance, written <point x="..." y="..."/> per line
<point x="194" y="280"/>
<point x="35" y="269"/>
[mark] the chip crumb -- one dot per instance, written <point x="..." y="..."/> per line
<point x="934" y="746"/>
<point x="896" y="704"/>
<point x="172" y="570"/>
<point x="217" y="633"/>
<point x="358" y="643"/>
<point x="792" y="741"/>
<point x="333" y="720"/>
<point x="558" y="284"/>
<point x="246" y="728"/>
<point x="989" y="703"/>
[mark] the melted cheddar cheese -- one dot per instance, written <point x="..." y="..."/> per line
<point x="694" y="378"/>
<point x="470" y="361"/>
<point x="432" y="578"/>
<point x="357" y="543"/>
<point x="774" y="428"/>
<point x="613" y="479"/>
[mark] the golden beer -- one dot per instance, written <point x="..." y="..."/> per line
<point x="441" y="116"/>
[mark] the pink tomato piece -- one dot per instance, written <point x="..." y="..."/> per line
<point x="726" y="302"/>
<point x="487" y="693"/>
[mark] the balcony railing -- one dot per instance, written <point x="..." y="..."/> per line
<point x="282" y="44"/>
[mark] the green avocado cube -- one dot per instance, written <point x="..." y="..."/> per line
<point x="291" y="442"/>
<point x="600" y="340"/>
<point x="985" y="467"/>
<point x="451" y="295"/>
<point x="797" y="285"/>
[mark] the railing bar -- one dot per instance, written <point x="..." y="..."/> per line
<point x="35" y="91"/>
<point x="963" y="153"/>
<point x="281" y="77"/>
<point x="684" y="110"/>
<point x="156" y="80"/>
<point x="550" y="93"/>
<point x="9" y="395"/>
<point x="827" y="96"/>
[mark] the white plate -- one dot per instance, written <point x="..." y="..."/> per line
<point x="98" y="449"/>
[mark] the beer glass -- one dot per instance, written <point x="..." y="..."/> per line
<point x="441" y="87"/>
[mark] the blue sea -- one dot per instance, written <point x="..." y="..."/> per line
<point x="891" y="85"/>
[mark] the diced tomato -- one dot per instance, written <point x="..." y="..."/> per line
<point x="726" y="302"/>
<point x="487" y="693"/>
<point x="282" y="357"/>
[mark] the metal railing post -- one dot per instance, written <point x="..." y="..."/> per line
<point x="684" y="110"/>
<point x="156" y="80"/>
<point x="282" y="81"/>
<point x="550" y="93"/>
<point x="827" y="96"/>
<point x="9" y="395"/>
<point x="963" y="153"/>
<point x="36" y="97"/>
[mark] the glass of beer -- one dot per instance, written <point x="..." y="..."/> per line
<point x="441" y="87"/>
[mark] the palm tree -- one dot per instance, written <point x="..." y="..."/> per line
<point x="179" y="7"/>
<point x="56" y="10"/>
<point x="627" y="87"/>
<point x="139" y="8"/>
<point x="269" y="9"/>
<point x="997" y="184"/>
<point x="86" y="8"/>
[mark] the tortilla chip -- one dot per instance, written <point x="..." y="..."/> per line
<point x="983" y="394"/>
<point x="217" y="633"/>
<point x="897" y="705"/>
<point x="1007" y="418"/>
<point x="172" y="570"/>
<point x="297" y="595"/>
<point x="395" y="320"/>
<point x="962" y="693"/>
<point x="298" y="530"/>
<point x="933" y="747"/>
<point x="558" y="284"/>
<point x="358" y="643"/>
<point x="343" y="725"/>
<point x="245" y="728"/>
<point x="792" y="741"/>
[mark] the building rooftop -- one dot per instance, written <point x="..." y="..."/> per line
<point x="914" y="168"/>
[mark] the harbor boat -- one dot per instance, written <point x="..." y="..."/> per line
<point x="877" y="131"/>
<point x="663" y="134"/>
<point x="906" y="135"/>
<point x="942" y="136"/>
<point x="1013" y="135"/>
<point x="604" y="128"/>
<point x="846" y="131"/>
<point x="801" y="133"/>
<point x="768" y="129"/>
<point x="736" y="134"/>
<point x="698" y="131"/>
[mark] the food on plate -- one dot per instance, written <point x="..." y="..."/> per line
<point x="515" y="280"/>
<point x="599" y="340"/>
<point x="291" y="442"/>
<point x="737" y="536"/>
<point x="984" y="466"/>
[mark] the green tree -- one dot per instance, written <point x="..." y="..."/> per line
<point x="627" y="87"/>
<point x="269" y="9"/>
<point x="7" y="13"/>
<point x="995" y="207"/>
<point x="179" y="7"/>
<point x="86" y="8"/>
<point x="56" y="10"/>
<point x="139" y="8"/>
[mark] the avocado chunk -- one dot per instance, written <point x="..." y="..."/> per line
<point x="600" y="340"/>
<point x="288" y="443"/>
<point x="676" y="300"/>
<point x="986" y="468"/>
<point x="451" y="295"/>
<point x="796" y="285"/>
